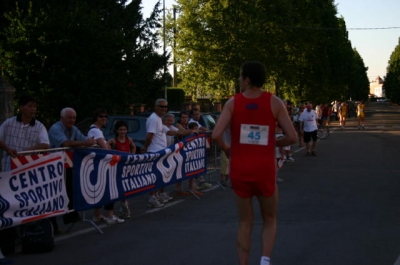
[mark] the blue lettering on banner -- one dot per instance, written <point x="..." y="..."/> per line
<point x="104" y="176"/>
<point x="36" y="175"/>
<point x="33" y="191"/>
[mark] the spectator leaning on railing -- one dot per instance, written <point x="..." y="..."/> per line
<point x="156" y="140"/>
<point x="21" y="133"/>
<point x="64" y="134"/>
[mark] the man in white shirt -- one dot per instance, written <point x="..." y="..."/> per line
<point x="308" y="126"/>
<point x="156" y="140"/>
<point x="195" y="117"/>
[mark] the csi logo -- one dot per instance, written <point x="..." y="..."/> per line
<point x="252" y="106"/>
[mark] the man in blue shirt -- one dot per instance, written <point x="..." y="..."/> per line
<point x="64" y="133"/>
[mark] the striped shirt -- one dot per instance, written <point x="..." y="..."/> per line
<point x="19" y="136"/>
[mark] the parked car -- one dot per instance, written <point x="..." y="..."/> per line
<point x="136" y="128"/>
<point x="215" y="114"/>
<point x="206" y="119"/>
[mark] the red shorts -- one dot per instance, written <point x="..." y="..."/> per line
<point x="248" y="189"/>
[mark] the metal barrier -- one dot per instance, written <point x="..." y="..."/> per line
<point x="25" y="157"/>
<point x="213" y="159"/>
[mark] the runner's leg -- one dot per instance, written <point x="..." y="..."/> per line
<point x="246" y="219"/>
<point x="268" y="207"/>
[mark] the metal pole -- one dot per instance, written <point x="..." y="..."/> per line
<point x="175" y="75"/>
<point x="165" y="62"/>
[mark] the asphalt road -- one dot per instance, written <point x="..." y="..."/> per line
<point x="341" y="207"/>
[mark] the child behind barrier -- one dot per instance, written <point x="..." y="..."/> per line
<point x="123" y="143"/>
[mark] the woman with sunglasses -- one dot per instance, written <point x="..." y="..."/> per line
<point x="99" y="120"/>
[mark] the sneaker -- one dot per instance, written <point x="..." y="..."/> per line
<point x="161" y="199"/>
<point x="99" y="219"/>
<point x="154" y="203"/>
<point x="114" y="220"/>
<point x="165" y="197"/>
<point x="196" y="187"/>
<point x="280" y="162"/>
<point x="125" y="212"/>
<point x="289" y="159"/>
<point x="204" y="185"/>
<point x="265" y="261"/>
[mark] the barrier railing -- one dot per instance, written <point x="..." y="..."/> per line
<point x="26" y="157"/>
<point x="213" y="159"/>
<point x="99" y="177"/>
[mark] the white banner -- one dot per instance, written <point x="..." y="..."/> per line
<point x="33" y="191"/>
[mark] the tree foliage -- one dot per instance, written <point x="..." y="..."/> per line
<point x="82" y="54"/>
<point x="392" y="80"/>
<point x="303" y="44"/>
<point x="359" y="83"/>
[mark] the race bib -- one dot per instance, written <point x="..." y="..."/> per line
<point x="254" y="134"/>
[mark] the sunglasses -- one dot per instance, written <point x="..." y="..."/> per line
<point x="163" y="107"/>
<point x="103" y="116"/>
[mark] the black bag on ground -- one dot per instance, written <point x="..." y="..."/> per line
<point x="37" y="237"/>
<point x="7" y="240"/>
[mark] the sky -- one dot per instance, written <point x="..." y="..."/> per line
<point x="364" y="18"/>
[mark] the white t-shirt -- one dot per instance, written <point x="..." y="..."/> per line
<point x="198" y="123"/>
<point x="95" y="133"/>
<point x="155" y="126"/>
<point x="170" y="138"/>
<point x="309" y="119"/>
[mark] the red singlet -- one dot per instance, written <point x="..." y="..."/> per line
<point x="253" y="160"/>
<point x="124" y="147"/>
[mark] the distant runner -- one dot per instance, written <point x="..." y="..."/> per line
<point x="361" y="114"/>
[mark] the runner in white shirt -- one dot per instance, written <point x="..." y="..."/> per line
<point x="308" y="126"/>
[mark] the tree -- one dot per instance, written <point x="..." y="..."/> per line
<point x="359" y="84"/>
<point x="303" y="45"/>
<point x="392" y="80"/>
<point x="82" y="54"/>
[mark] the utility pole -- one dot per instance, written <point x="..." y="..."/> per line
<point x="175" y="76"/>
<point x="165" y="55"/>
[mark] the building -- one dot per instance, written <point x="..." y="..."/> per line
<point x="376" y="88"/>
